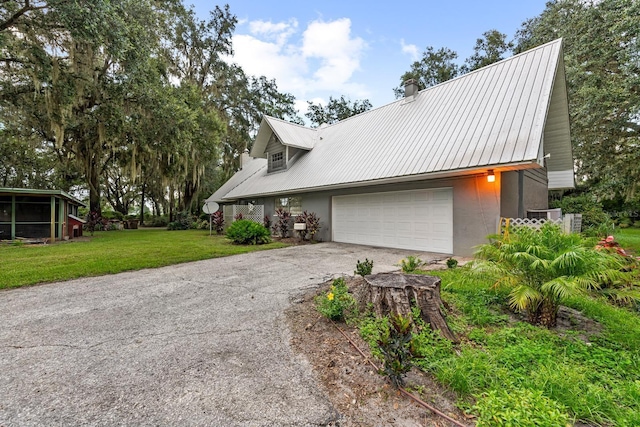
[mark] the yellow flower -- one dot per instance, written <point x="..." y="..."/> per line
<point x="330" y="296"/>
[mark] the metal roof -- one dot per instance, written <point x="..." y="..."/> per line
<point x="248" y="170"/>
<point x="35" y="192"/>
<point x="490" y="118"/>
<point x="290" y="134"/>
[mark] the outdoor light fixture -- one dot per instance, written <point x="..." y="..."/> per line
<point x="491" y="177"/>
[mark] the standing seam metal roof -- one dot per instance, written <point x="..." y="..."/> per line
<point x="490" y="117"/>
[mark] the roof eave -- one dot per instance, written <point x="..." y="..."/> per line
<point x="527" y="164"/>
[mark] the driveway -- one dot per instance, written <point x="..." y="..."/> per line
<point x="201" y="343"/>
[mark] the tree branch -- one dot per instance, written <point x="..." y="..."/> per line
<point x="26" y="8"/>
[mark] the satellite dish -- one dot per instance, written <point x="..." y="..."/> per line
<point x="210" y="207"/>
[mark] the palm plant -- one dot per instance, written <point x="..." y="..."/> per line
<point x="543" y="267"/>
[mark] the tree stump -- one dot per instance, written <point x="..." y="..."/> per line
<point x="393" y="293"/>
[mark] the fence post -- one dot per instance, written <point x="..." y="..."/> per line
<point x="567" y="223"/>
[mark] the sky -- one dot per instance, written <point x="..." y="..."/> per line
<point x="319" y="49"/>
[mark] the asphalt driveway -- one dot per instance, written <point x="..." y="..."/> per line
<point x="201" y="343"/>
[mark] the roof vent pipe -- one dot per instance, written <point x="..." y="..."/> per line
<point x="411" y="88"/>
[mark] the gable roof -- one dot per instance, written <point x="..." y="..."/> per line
<point x="288" y="133"/>
<point x="491" y="118"/>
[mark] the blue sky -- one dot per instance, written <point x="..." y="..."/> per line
<point x="358" y="49"/>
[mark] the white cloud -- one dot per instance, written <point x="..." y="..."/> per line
<point x="278" y="32"/>
<point x="323" y="57"/>
<point x="339" y="54"/>
<point x="410" y="49"/>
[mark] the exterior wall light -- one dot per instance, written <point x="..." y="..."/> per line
<point x="491" y="177"/>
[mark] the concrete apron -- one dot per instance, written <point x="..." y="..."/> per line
<point x="201" y="343"/>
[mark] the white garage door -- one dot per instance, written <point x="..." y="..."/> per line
<point x="417" y="219"/>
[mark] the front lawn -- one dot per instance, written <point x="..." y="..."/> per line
<point x="112" y="252"/>
<point x="590" y="375"/>
<point x="629" y="238"/>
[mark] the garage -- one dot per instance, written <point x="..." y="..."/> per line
<point x="416" y="219"/>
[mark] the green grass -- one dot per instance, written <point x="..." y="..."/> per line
<point x="596" y="381"/>
<point x="564" y="376"/>
<point x="112" y="252"/>
<point x="629" y="238"/>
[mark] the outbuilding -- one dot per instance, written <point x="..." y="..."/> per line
<point x="39" y="214"/>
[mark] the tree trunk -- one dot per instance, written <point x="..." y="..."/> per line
<point x="393" y="293"/>
<point x="142" y="205"/>
<point x="94" y="191"/>
<point x="549" y="313"/>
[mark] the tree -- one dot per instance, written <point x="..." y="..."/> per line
<point x="544" y="267"/>
<point x="196" y="56"/>
<point x="602" y="63"/>
<point x="491" y="48"/>
<point x="335" y="110"/>
<point x="75" y="70"/>
<point x="435" y="67"/>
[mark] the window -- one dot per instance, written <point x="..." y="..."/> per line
<point x="293" y="205"/>
<point x="277" y="161"/>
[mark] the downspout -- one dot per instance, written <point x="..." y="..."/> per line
<point x="521" y="194"/>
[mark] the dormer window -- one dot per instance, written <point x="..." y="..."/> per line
<point x="276" y="161"/>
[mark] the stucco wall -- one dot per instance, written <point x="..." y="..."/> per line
<point x="534" y="192"/>
<point x="476" y="207"/>
<point x="509" y="194"/>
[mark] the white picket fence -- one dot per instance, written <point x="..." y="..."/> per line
<point x="570" y="223"/>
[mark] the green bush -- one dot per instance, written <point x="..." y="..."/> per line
<point x="156" y="221"/>
<point x="542" y="268"/>
<point x="247" y="232"/>
<point x="452" y="263"/>
<point x="364" y="268"/>
<point x="337" y="303"/>
<point x="112" y="215"/>
<point x="396" y="349"/>
<point x="595" y="221"/>
<point x="522" y="408"/>
<point x="184" y="221"/>
<point x="411" y="264"/>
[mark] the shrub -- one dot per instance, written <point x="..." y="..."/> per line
<point x="94" y="222"/>
<point x="595" y="221"/>
<point x="312" y="221"/>
<point x="218" y="221"/>
<point x="523" y="408"/>
<point x="544" y="267"/>
<point x="184" y="221"/>
<point x="157" y="221"/>
<point x="337" y="303"/>
<point x="267" y="222"/>
<point x="452" y="263"/>
<point x="246" y="232"/>
<point x="281" y="227"/>
<point x="396" y="349"/>
<point x="113" y="215"/>
<point x="410" y="264"/>
<point x="237" y="216"/>
<point x="364" y="268"/>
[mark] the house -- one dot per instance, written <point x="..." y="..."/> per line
<point x="39" y="214"/>
<point x="433" y="171"/>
